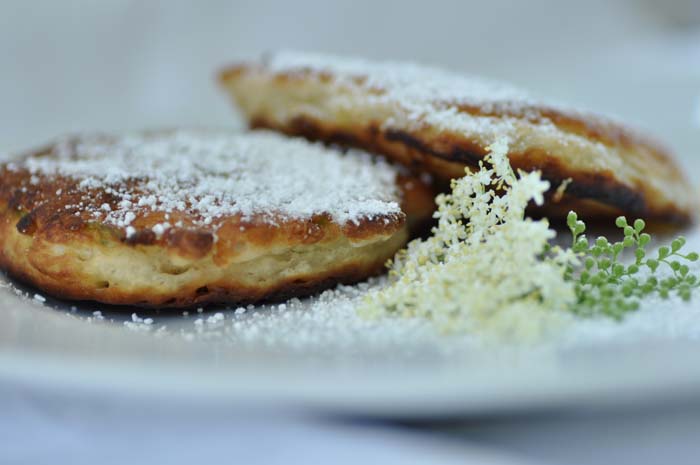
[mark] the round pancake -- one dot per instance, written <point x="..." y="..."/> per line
<point x="184" y="218"/>
<point x="438" y="122"/>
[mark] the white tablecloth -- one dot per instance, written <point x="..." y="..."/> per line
<point x="40" y="427"/>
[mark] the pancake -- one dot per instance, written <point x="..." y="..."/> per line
<point x="181" y="218"/>
<point x="437" y="122"/>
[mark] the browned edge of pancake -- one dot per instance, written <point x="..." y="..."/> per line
<point x="203" y="295"/>
<point x="594" y="195"/>
<point x="605" y="195"/>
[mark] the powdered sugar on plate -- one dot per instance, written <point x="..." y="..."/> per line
<point x="213" y="174"/>
<point x="328" y="326"/>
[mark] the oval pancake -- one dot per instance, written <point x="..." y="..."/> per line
<point x="438" y="122"/>
<point x="174" y="219"/>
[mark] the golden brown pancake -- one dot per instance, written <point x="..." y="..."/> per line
<point x="181" y="218"/>
<point x="438" y="122"/>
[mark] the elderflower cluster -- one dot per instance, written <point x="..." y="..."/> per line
<point x="487" y="269"/>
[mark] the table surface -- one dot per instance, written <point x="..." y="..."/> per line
<point x="38" y="427"/>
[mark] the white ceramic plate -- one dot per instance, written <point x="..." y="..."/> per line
<point x="51" y="349"/>
<point x="48" y="348"/>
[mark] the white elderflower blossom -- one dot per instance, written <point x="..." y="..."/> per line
<point x="487" y="269"/>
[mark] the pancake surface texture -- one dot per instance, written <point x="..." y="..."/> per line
<point x="189" y="217"/>
<point x="438" y="122"/>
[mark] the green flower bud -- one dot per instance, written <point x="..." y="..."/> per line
<point x="644" y="239"/>
<point x="581" y="244"/>
<point x="585" y="276"/>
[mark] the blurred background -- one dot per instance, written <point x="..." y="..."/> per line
<point x="114" y="65"/>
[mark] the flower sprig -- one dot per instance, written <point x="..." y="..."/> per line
<point x="606" y="285"/>
<point x="482" y="271"/>
<point x="488" y="269"/>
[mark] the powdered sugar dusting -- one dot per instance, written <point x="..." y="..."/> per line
<point x="425" y="93"/>
<point x="405" y="81"/>
<point x="406" y="97"/>
<point x="211" y="175"/>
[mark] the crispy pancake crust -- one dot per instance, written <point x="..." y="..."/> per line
<point x="49" y="238"/>
<point x="612" y="169"/>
